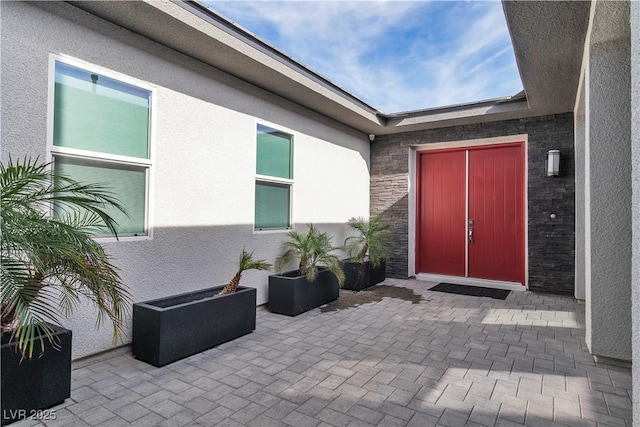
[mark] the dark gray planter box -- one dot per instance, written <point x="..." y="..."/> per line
<point x="172" y="328"/>
<point x="360" y="276"/>
<point x="34" y="384"/>
<point x="292" y="294"/>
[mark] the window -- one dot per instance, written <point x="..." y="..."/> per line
<point x="101" y="134"/>
<point x="274" y="179"/>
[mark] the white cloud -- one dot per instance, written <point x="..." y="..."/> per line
<point x="394" y="55"/>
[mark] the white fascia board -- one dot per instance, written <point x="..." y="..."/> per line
<point x="459" y="115"/>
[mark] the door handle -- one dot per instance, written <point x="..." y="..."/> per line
<point x="471" y="222"/>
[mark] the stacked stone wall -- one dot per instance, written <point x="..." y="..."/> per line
<point x="551" y="241"/>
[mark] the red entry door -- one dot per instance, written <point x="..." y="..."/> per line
<point x="441" y="212"/>
<point x="470" y="218"/>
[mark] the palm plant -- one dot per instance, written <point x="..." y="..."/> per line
<point x="246" y="263"/>
<point x="313" y="250"/>
<point x="49" y="262"/>
<point x="371" y="241"/>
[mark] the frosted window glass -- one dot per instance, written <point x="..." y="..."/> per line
<point x="272" y="205"/>
<point x="274" y="153"/>
<point x="127" y="183"/>
<point x="96" y="113"/>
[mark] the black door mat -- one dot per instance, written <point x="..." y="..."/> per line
<point x="475" y="291"/>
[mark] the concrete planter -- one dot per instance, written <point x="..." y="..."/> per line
<point x="31" y="385"/>
<point x="169" y="329"/>
<point x="360" y="276"/>
<point x="292" y="294"/>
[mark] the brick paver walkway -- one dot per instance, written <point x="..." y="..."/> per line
<point x="397" y="355"/>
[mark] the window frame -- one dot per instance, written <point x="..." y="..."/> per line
<point x="258" y="178"/>
<point x="67" y="152"/>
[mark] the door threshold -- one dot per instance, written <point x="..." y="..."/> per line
<point x="470" y="281"/>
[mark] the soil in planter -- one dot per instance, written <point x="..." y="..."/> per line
<point x="349" y="299"/>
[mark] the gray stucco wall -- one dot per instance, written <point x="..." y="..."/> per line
<point x="203" y="155"/>
<point x="580" y="135"/>
<point x="608" y="158"/>
<point x="635" y="177"/>
<point x="551" y="241"/>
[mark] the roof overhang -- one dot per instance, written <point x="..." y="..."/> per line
<point x="194" y="30"/>
<point x="548" y="40"/>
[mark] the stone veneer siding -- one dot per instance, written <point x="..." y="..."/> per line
<point x="551" y="245"/>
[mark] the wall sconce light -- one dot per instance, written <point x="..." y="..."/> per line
<point x="553" y="163"/>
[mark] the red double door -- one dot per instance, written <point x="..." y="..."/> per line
<point x="470" y="212"/>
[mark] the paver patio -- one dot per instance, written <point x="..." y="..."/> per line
<point x="399" y="355"/>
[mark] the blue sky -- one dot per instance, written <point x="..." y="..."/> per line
<point x="394" y="55"/>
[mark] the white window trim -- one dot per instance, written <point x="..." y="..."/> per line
<point x="274" y="179"/>
<point x="52" y="150"/>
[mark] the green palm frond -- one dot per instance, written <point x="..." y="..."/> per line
<point x="371" y="241"/>
<point x="313" y="250"/>
<point x="247" y="262"/>
<point x="50" y="263"/>
<point x="30" y="185"/>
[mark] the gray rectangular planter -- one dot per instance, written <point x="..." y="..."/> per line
<point x="360" y="276"/>
<point x="291" y="294"/>
<point x="38" y="383"/>
<point x="169" y="329"/>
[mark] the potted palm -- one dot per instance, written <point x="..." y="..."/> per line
<point x="50" y="264"/>
<point x="367" y="251"/>
<point x="164" y="330"/>
<point x="317" y="280"/>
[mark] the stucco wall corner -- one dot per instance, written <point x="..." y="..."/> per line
<point x="610" y="173"/>
<point x="635" y="177"/>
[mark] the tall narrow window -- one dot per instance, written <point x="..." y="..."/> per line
<point x="274" y="179"/>
<point x="101" y="134"/>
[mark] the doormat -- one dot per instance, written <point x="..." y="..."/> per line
<point x="474" y="291"/>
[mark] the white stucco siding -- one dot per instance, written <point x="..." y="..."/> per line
<point x="323" y="176"/>
<point x="204" y="154"/>
<point x="204" y="163"/>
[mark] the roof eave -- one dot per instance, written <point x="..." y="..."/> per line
<point x="195" y="30"/>
<point x="548" y="40"/>
<point x="187" y="27"/>
<point x="455" y="115"/>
